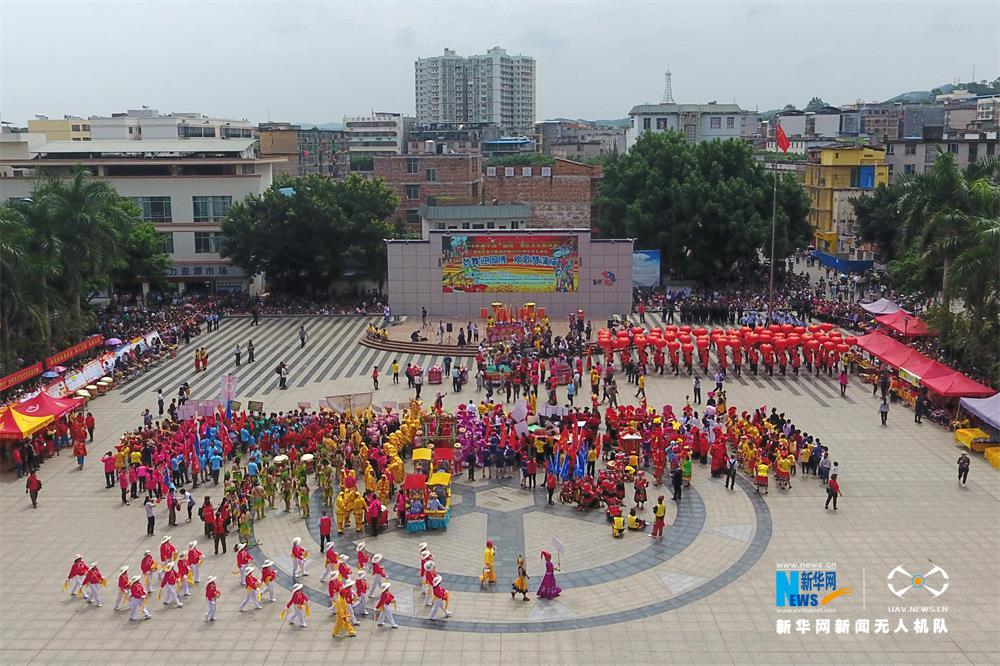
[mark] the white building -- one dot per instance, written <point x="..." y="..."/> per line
<point x="495" y="88"/>
<point x="697" y="122"/>
<point x="184" y="187"/>
<point x="380" y="133"/>
<point x="145" y="123"/>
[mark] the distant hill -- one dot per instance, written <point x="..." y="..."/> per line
<point x="924" y="96"/>
<point x="325" y="126"/>
<point x="617" y="122"/>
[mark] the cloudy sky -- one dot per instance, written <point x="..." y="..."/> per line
<point x="320" y="61"/>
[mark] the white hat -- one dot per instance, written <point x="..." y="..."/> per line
<point x="250" y="569"/>
<point x="148" y="552"/>
<point x="343" y="557"/>
<point x="386" y="585"/>
<point x="193" y="544"/>
<point x="183" y="555"/>
<point x="296" y="541"/>
<point x="436" y="581"/>
<point x="212" y="579"/>
<point x="239" y="546"/>
<point x="134" y="579"/>
<point x="429" y="565"/>
<point x="362" y="575"/>
<point x="164" y="539"/>
<point x="93" y="564"/>
<point x="123" y="570"/>
<point x="360" y="546"/>
<point x="329" y="547"/>
<point x="349" y="582"/>
<point x="422" y="546"/>
<point x="376" y="558"/>
<point x="80" y="557"/>
<point x="267" y="563"/>
<point x="297" y="587"/>
<point x="170" y="565"/>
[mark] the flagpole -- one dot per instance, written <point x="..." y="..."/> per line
<point x="774" y="216"/>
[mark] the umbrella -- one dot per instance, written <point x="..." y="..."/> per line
<point x="112" y="342"/>
<point x="188" y="306"/>
<point x="49" y="374"/>
<point x="58" y="368"/>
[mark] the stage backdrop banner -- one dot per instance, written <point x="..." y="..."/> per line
<point x="646" y="268"/>
<point x="510" y="264"/>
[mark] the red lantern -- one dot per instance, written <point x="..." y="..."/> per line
<point x="687" y="348"/>
<point x="636" y="330"/>
<point x="685" y="329"/>
<point x="842" y="348"/>
<point x="851" y="340"/>
<point x="659" y="343"/>
<point x="800" y="329"/>
<point x="826" y="326"/>
<point x="673" y="345"/>
<point x="702" y="343"/>
<point x="621" y="343"/>
<point x="670" y="328"/>
<point x="766" y="348"/>
<point x="684" y="338"/>
<point x="814" y="328"/>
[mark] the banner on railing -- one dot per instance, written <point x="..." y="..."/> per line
<point x="75" y="350"/>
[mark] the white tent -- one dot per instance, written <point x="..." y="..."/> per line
<point x="988" y="409"/>
<point x="882" y="306"/>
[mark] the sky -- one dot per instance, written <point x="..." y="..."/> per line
<point x="320" y="61"/>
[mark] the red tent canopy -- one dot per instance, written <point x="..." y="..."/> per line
<point x="885" y="348"/>
<point x="956" y="384"/>
<point x="904" y="324"/>
<point x="45" y="405"/>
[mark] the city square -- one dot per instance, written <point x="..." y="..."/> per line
<point x="485" y="333"/>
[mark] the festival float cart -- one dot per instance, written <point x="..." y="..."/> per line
<point x="439" y="485"/>
<point x="415" y="489"/>
<point x="434" y="374"/>
<point x="422" y="461"/>
<point x="443" y="459"/>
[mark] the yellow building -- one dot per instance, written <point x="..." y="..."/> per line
<point x="835" y="176"/>
<point x="67" y="128"/>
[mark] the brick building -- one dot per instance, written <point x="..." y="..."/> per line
<point x="434" y="180"/>
<point x="560" y="196"/>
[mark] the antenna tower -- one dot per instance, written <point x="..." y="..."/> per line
<point x="668" y="93"/>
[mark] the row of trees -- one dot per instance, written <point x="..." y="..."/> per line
<point x="70" y="238"/>
<point x="706" y="206"/>
<point x="939" y="231"/>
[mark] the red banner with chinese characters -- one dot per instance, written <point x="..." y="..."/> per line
<point x="22" y="375"/>
<point x="70" y="352"/>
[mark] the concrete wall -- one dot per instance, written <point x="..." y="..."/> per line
<point x="415" y="282"/>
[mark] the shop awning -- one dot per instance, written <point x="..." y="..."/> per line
<point x="988" y="409"/>
<point x="935" y="376"/>
<point x="15" y="424"/>
<point x="957" y="384"/>
<point x="904" y="324"/>
<point x="45" y="405"/>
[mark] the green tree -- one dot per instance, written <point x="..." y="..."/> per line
<point x="142" y="257"/>
<point x="306" y="233"/>
<point x="815" y="104"/>
<point x="879" y="220"/>
<point x="706" y="206"/>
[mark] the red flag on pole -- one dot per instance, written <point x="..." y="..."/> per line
<point x="782" y="140"/>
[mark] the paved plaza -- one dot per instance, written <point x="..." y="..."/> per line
<point x="705" y="594"/>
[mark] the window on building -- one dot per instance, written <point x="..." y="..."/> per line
<point x="953" y="148"/>
<point x="730" y="122"/>
<point x="432" y="201"/>
<point x="661" y="123"/>
<point x="973" y="152"/>
<point x="86" y="128"/>
<point x="412" y="216"/>
<point x="646" y="122"/>
<point x="412" y="165"/>
<point x="889" y="170"/>
<point x="412" y="192"/>
<point x="491" y="171"/>
<point x="890" y="149"/>
<point x="154" y="209"/>
<point x="525" y="171"/>
<point x="515" y="225"/>
<point x="211" y="209"/>
<point x="475" y="190"/>
<point x="715" y="122"/>
<point x="547" y="172"/>
<point x="75" y="128"/>
<point x="491" y="225"/>
<point x="909" y="168"/>
<point x="911" y="149"/>
<point x="168" y="242"/>
<point x="432" y="175"/>
<point x="690" y="133"/>
<point x="991" y="148"/>
<point x="465" y="225"/>
<point x="207" y="242"/>
<point x="508" y="172"/>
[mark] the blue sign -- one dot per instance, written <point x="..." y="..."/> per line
<point x="646" y="268"/>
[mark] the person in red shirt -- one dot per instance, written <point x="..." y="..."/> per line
<point x="211" y="594"/>
<point x="333" y="591"/>
<point x="832" y="492"/>
<point x="148" y="566"/>
<point x="375" y="376"/>
<point x="90" y="423"/>
<point x="137" y="599"/>
<point x="361" y="588"/>
<point x="300" y="602"/>
<point x="243" y="561"/>
<point x="195" y="558"/>
<point x="168" y="586"/>
<point x="440" y="599"/>
<point x="383" y="611"/>
<point x="183" y="570"/>
<point x="123" y="592"/>
<point x="331" y="558"/>
<point x="325" y="527"/>
<point x="299" y="556"/>
<point x="80" y="451"/>
<point x="167" y="550"/>
<point x="267" y="578"/>
<point x="251" y="587"/>
<point x="93" y="579"/>
<point x="76" y="573"/>
<point x="31" y="488"/>
<point x="378" y="574"/>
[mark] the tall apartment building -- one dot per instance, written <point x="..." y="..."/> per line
<point x="184" y="187"/>
<point x="67" y="128"/>
<point x="146" y="123"/>
<point x="838" y="174"/>
<point x="495" y="88"/>
<point x="381" y="133"/>
<point x="697" y="122"/>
